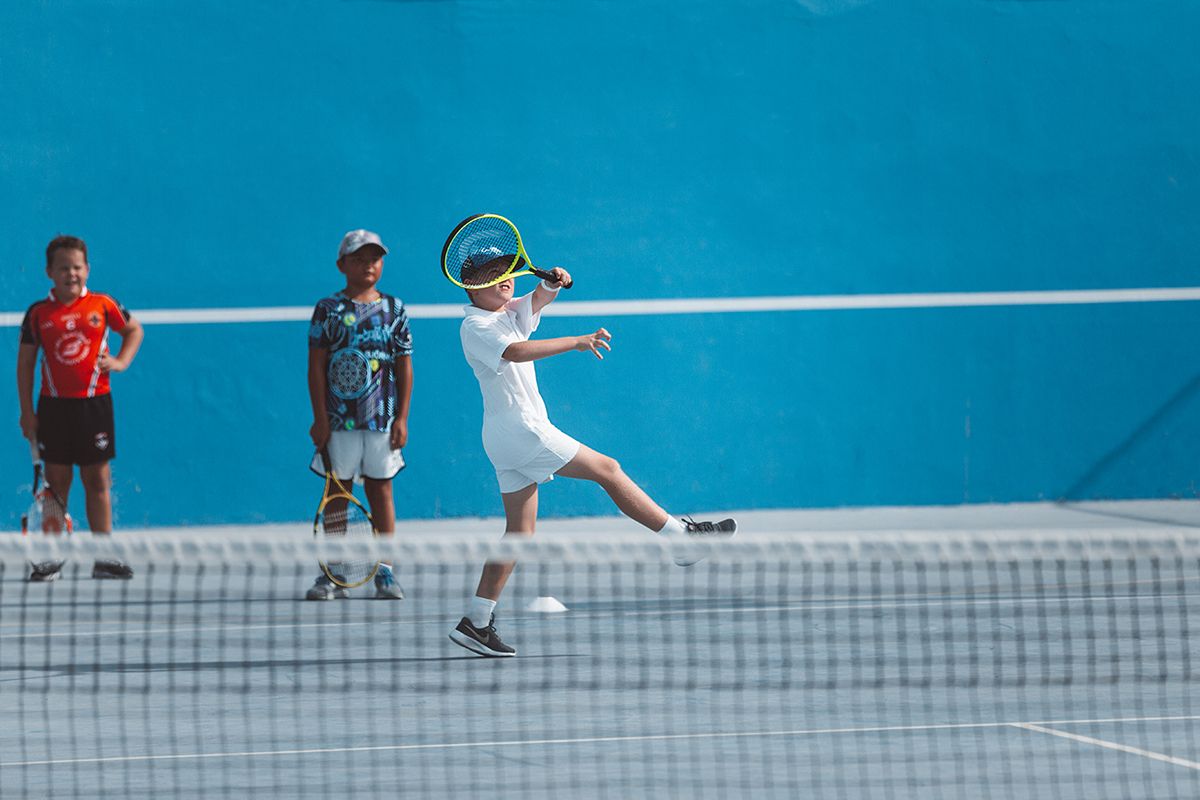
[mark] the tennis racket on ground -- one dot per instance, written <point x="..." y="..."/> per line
<point x="47" y="513"/>
<point x="485" y="249"/>
<point x="340" y="514"/>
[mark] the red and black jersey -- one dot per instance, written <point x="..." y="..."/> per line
<point x="72" y="337"/>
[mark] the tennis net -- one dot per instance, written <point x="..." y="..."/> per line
<point x="887" y="665"/>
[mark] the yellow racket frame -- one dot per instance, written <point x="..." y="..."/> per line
<point x="521" y="257"/>
<point x="340" y="493"/>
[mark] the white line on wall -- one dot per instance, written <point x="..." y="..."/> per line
<point x="696" y="305"/>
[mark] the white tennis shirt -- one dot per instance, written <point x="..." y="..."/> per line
<point x="516" y="428"/>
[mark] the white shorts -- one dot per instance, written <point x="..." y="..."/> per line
<point x="361" y="454"/>
<point x="541" y="467"/>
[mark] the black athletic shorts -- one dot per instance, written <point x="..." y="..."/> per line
<point x="76" y="430"/>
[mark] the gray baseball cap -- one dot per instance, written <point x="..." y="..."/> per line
<point x="357" y="239"/>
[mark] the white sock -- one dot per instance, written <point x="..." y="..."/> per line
<point x="672" y="525"/>
<point x="480" y="611"/>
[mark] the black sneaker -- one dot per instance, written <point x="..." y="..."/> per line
<point x="724" y="528"/>
<point x="691" y="550"/>
<point x="111" y="569"/>
<point x="483" y="641"/>
<point x="45" y="571"/>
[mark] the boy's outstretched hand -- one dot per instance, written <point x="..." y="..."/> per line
<point x="594" y="342"/>
<point x="561" y="276"/>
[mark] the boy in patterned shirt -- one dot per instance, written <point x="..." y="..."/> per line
<point x="73" y="423"/>
<point x="360" y="385"/>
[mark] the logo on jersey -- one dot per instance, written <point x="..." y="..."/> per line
<point x="72" y="349"/>
<point x="95" y="320"/>
<point x="101" y="441"/>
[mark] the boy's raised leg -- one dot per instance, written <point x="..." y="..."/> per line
<point x="637" y="505"/>
<point x="634" y="503"/>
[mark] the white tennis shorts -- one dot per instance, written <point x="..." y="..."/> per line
<point x="361" y="454"/>
<point x="557" y="453"/>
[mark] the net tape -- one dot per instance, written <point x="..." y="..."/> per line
<point x="836" y="547"/>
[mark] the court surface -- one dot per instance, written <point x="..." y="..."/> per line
<point x="768" y="680"/>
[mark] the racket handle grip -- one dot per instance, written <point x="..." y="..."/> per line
<point x="549" y="276"/>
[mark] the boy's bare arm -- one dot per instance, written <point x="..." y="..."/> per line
<point x="318" y="360"/>
<point x="131" y="340"/>
<point x="532" y="350"/>
<point x="26" y="365"/>
<point x="404" y="384"/>
<point x="542" y="296"/>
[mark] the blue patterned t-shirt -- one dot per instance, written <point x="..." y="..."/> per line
<point x="363" y="340"/>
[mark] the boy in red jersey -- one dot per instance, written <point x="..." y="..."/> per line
<point x="73" y="423"/>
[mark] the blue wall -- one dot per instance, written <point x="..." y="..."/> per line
<point x="213" y="153"/>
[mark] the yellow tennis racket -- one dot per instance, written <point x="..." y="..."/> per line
<point x="340" y="514"/>
<point x="485" y="249"/>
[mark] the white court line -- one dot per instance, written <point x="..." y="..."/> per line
<point x="659" y="612"/>
<point x="1124" y="748"/>
<point x="810" y="606"/>
<point x="694" y="305"/>
<point x="581" y="740"/>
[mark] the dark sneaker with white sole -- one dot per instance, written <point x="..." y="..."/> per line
<point x="725" y="528"/>
<point x="483" y="641"/>
<point x="111" y="569"/>
<point x="689" y="550"/>
<point x="45" y="571"/>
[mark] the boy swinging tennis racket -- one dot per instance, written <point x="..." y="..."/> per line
<point x="523" y="445"/>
